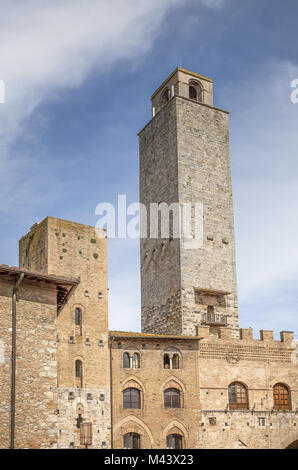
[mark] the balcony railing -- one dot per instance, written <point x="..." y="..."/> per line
<point x="215" y="319"/>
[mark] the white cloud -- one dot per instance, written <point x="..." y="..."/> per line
<point x="52" y="45"/>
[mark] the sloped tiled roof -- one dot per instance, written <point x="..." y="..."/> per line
<point x="64" y="285"/>
<point x="134" y="334"/>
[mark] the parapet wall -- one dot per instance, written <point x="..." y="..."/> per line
<point x="245" y="347"/>
<point x="246" y="334"/>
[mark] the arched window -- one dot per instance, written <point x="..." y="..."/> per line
<point x="171" y="361"/>
<point x="172" y="398"/>
<point x="136" y="361"/>
<point x="281" y="396"/>
<point x="131" y="440"/>
<point x="175" y="361"/>
<point x="126" y="361"/>
<point x="131" y="362"/>
<point x="195" y="91"/>
<point x="192" y="92"/>
<point x="174" y="441"/>
<point x="238" y="396"/>
<point x="131" y="398"/>
<point x="78" y="317"/>
<point x="166" y="362"/>
<point x="166" y="96"/>
<point x="79" y="373"/>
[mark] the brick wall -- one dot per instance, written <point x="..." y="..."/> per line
<point x="206" y="370"/>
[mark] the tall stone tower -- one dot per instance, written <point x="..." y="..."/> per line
<point x="185" y="158"/>
<point x="63" y="248"/>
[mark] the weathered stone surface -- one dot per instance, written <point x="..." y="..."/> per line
<point x="184" y="153"/>
<point x="185" y="158"/>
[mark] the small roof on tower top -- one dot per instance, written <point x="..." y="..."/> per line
<point x="180" y="69"/>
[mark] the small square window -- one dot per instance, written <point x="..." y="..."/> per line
<point x="262" y="422"/>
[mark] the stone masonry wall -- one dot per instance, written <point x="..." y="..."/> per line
<point x="259" y="365"/>
<point x="93" y="406"/>
<point x="160" y="267"/>
<point x="36" y="366"/>
<point x="74" y="250"/>
<point x="207" y="367"/>
<point x="184" y="157"/>
<point x="205" y="177"/>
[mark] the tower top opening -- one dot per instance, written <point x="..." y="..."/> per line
<point x="183" y="83"/>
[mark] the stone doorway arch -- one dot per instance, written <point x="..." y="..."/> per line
<point x="290" y="442"/>
<point x="293" y="445"/>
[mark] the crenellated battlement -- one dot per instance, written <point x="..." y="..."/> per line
<point x="246" y="335"/>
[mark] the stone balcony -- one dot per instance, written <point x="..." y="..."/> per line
<point x="214" y="319"/>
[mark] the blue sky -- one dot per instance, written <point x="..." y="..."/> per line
<point x="79" y="76"/>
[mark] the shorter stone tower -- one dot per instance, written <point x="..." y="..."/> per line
<point x="74" y="250"/>
<point x="185" y="159"/>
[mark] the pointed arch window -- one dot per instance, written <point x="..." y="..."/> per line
<point x="131" y="398"/>
<point x="131" y="440"/>
<point x="172" y="398"/>
<point x="174" y="441"/>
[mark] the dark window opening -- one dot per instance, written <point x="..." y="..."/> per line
<point x="78" y="317"/>
<point x="174" y="441"/>
<point x="192" y="93"/>
<point x="131" y="398"/>
<point x="79" y="373"/>
<point x="166" y="361"/>
<point x="126" y="361"/>
<point x="131" y="440"/>
<point x="172" y="398"/>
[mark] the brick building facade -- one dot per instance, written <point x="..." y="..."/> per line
<point x="192" y="378"/>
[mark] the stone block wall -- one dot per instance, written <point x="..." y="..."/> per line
<point x="205" y="177"/>
<point x="89" y="405"/>
<point x="36" y="366"/>
<point x="75" y="250"/>
<point x="185" y="158"/>
<point x="160" y="257"/>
